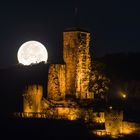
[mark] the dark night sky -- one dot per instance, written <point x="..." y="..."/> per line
<point x="114" y="25"/>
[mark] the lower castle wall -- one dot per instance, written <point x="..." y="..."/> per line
<point x="69" y="113"/>
<point x="130" y="128"/>
<point x="75" y="113"/>
<point x="113" y="119"/>
<point x="115" y="125"/>
<point x="113" y="122"/>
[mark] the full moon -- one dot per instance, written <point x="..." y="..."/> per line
<point x="32" y="52"/>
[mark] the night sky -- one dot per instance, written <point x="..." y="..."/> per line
<point x="114" y="25"/>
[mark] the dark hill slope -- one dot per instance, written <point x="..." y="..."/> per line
<point x="126" y="66"/>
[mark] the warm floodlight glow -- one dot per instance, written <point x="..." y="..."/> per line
<point x="110" y="107"/>
<point x="124" y="95"/>
<point x="32" y="52"/>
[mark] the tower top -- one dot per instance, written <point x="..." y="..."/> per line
<point x="76" y="29"/>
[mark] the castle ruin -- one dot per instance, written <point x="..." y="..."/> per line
<point x="68" y="94"/>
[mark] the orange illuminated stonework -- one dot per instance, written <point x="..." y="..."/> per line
<point x="68" y="91"/>
<point x="66" y="82"/>
<point x="78" y="63"/>
<point x="32" y="98"/>
<point x="57" y="82"/>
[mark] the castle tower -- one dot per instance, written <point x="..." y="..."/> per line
<point x="32" y="98"/>
<point x="78" y="62"/>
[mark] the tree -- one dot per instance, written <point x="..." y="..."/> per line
<point x="99" y="82"/>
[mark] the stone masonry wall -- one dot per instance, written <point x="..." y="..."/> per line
<point x="78" y="63"/>
<point x="56" y="82"/>
<point x="113" y="122"/>
<point x="32" y="98"/>
<point x="130" y="128"/>
<point x="70" y="55"/>
<point x="83" y="66"/>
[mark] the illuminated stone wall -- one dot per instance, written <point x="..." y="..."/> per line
<point x="98" y="117"/>
<point x="83" y="67"/>
<point x="56" y="82"/>
<point x="130" y="128"/>
<point x="78" y="63"/>
<point x="32" y="98"/>
<point x="113" y="122"/>
<point x="70" y="55"/>
<point x="68" y="113"/>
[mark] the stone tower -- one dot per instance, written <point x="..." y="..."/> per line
<point x="32" y="98"/>
<point x="78" y="63"/>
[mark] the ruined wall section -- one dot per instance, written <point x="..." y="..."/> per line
<point x="56" y="82"/>
<point x="113" y="122"/>
<point x="32" y="96"/>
